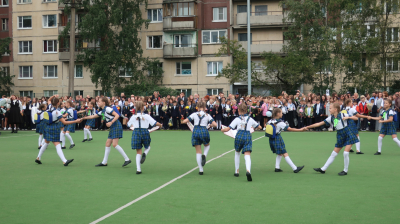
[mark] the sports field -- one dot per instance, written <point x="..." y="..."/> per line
<point x="83" y="193"/>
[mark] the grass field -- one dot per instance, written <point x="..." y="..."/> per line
<point x="82" y="193"/>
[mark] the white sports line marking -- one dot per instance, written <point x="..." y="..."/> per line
<point x="159" y="188"/>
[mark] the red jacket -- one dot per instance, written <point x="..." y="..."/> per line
<point x="362" y="109"/>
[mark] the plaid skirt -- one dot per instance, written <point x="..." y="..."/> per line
<point x="388" y="129"/>
<point x="69" y="127"/>
<point x="352" y="125"/>
<point x="345" y="137"/>
<point x="140" y="137"/>
<point x="40" y="128"/>
<point x="277" y="145"/>
<point x="200" y="135"/>
<point x="115" y="130"/>
<point x="243" y="141"/>
<point x="90" y="123"/>
<point x="52" y="132"/>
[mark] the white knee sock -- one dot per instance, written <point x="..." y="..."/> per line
<point x="380" y="143"/>
<point x="43" y="141"/>
<point x="278" y="161"/>
<point x="248" y="162"/>
<point x="40" y="140"/>
<point x="69" y="138"/>
<point x="120" y="150"/>
<point x="358" y="145"/>
<point x="198" y="158"/>
<point x="330" y="160"/>
<point x="84" y="133"/>
<point x="146" y="151"/>
<point x="89" y="133"/>
<point x="107" y="152"/>
<point x="42" y="149"/>
<point x="237" y="161"/>
<point x="62" y="138"/>
<point x="346" y="161"/>
<point x="138" y="158"/>
<point x="397" y="141"/>
<point x="291" y="164"/>
<point x="206" y="149"/>
<point x="60" y="153"/>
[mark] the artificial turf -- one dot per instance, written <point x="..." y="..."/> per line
<point x="82" y="193"/>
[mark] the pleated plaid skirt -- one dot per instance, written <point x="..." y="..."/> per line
<point x="115" y="130"/>
<point x="277" y="145"/>
<point x="200" y="135"/>
<point x="140" y="138"/>
<point x="52" y="132"/>
<point x="352" y="125"/>
<point x="91" y="123"/>
<point x="345" y="137"/>
<point x="69" y="127"/>
<point x="243" y="141"/>
<point x="388" y="129"/>
<point x="40" y="128"/>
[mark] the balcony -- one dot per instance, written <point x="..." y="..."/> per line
<point x="64" y="53"/>
<point x="179" y="23"/>
<point x="260" y="46"/>
<point x="269" y="18"/>
<point x="62" y="26"/>
<point x="180" y="50"/>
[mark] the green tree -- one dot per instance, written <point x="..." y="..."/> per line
<point x="6" y="79"/>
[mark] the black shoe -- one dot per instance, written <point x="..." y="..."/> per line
<point x="84" y="140"/>
<point x="126" y="163"/>
<point x="38" y="161"/>
<point x="138" y="172"/>
<point x="278" y="170"/>
<point x="12" y="131"/>
<point x="236" y="174"/>
<point x="143" y="158"/>
<point x="73" y="145"/>
<point x="299" y="168"/>
<point x="101" y="164"/>
<point x="39" y="147"/>
<point x="351" y="150"/>
<point x="203" y="160"/>
<point x="248" y="175"/>
<point x="359" y="152"/>
<point x="68" y="162"/>
<point x="342" y="173"/>
<point x="90" y="139"/>
<point x="319" y="170"/>
<point x="377" y="153"/>
<point x="63" y="147"/>
<point x="201" y="173"/>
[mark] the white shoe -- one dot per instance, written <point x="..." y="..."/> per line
<point x="264" y="129"/>
<point x="5" y="129"/>
<point x="9" y="129"/>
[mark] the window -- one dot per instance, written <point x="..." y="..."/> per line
<point x="154" y="42"/>
<point x="392" y="34"/>
<point x="213" y="36"/>
<point x="182" y="9"/>
<point x="392" y="64"/>
<point x="183" y="68"/>
<point x="49" y="21"/>
<point x="78" y="71"/>
<point x="7" y="51"/>
<point x="154" y="15"/>
<point x="25" y="72"/>
<point x="213" y="67"/>
<point x="50" y="46"/>
<point x="124" y="72"/>
<point x="243" y="37"/>
<point x="242" y="8"/>
<point x="4" y="3"/>
<point x="5" y="71"/>
<point x="214" y="91"/>
<point x="26" y="93"/>
<point x="187" y="92"/>
<point x="50" y="71"/>
<point x="159" y="65"/>
<point x="261" y="10"/>
<point x="4" y="24"/>
<point x="184" y="40"/>
<point x="323" y="11"/>
<point x="98" y="93"/>
<point x="25" y="1"/>
<point x="78" y="93"/>
<point x="24" y="22"/>
<point x="49" y="0"/>
<point x="25" y="47"/>
<point x="219" y="14"/>
<point x="391" y="6"/>
<point x="49" y="93"/>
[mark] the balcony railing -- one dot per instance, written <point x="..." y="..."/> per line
<point x="64" y="53"/>
<point x="180" y="23"/>
<point x="180" y="50"/>
<point x="61" y="27"/>
<point x="263" y="18"/>
<point x="260" y="46"/>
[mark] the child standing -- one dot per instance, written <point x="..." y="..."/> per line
<point x="351" y="111"/>
<point x="71" y="127"/>
<point x="200" y="134"/>
<point x="277" y="144"/>
<point x="140" y="135"/>
<point x="243" y="141"/>
<point x="40" y="124"/>
<point x="345" y="137"/>
<point x="309" y="112"/>
<point x="89" y="123"/>
<point x="388" y="128"/>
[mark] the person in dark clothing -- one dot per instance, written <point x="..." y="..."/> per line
<point x="175" y="115"/>
<point x="15" y="117"/>
<point x="374" y="113"/>
<point x="319" y="112"/>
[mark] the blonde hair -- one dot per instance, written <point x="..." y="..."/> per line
<point x="139" y="107"/>
<point x="201" y="104"/>
<point x="275" y="112"/>
<point x="336" y="106"/>
<point x="243" y="108"/>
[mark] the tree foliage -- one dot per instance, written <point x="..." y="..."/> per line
<point x="6" y="79"/>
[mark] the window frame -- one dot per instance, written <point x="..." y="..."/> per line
<point x="49" y="1"/>
<point x="22" y="93"/>
<point x="4" y="22"/>
<point x="224" y="14"/>
<point x="55" y="46"/>
<point x="22" y="3"/>
<point x="125" y="73"/>
<point x="181" y="69"/>
<point x="54" y="92"/>
<point x="180" y="40"/>
<point x="75" y="72"/>
<point x="213" y="63"/>
<point x="210" y="32"/>
<point x="391" y="62"/>
<point x="152" y="15"/>
<point x="152" y="41"/>
<point x="46" y="67"/>
<point x="49" y="27"/>
<point x="20" y="68"/>
<point x="8" y="3"/>
<point x="22" y="22"/>
<point x="219" y="90"/>
<point x="185" y="91"/>
<point x="392" y="34"/>
<point x="19" y="47"/>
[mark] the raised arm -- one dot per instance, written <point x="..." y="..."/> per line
<point x="355" y="118"/>
<point x="295" y="129"/>
<point x="91" y="117"/>
<point x="316" y="125"/>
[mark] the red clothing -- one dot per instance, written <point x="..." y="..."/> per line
<point x="362" y="109"/>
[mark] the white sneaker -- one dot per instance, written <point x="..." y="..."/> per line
<point x="264" y="129"/>
<point x="9" y="129"/>
<point x="5" y="129"/>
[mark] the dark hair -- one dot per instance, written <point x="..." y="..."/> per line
<point x="275" y="112"/>
<point x="105" y="100"/>
<point x="389" y="101"/>
<point x="42" y="106"/>
<point x="54" y="101"/>
<point x="346" y="102"/>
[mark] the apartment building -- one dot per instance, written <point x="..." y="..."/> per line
<point x="6" y="31"/>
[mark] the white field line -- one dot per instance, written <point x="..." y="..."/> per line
<point x="159" y="188"/>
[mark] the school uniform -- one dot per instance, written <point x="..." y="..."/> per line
<point x="277" y="144"/>
<point x="175" y="116"/>
<point x="309" y="113"/>
<point x="116" y="127"/>
<point x="200" y="133"/>
<point x="319" y="110"/>
<point x="389" y="127"/>
<point x="301" y="115"/>
<point x="374" y="112"/>
<point x="344" y="135"/>
<point x="70" y="117"/>
<point x="291" y="114"/>
<point x="218" y="116"/>
<point x="182" y="114"/>
<point x="351" y="124"/>
<point x="51" y="129"/>
<point x="243" y="140"/>
<point x="156" y="112"/>
<point x="91" y="122"/>
<point x="40" y="126"/>
<point x="141" y="136"/>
